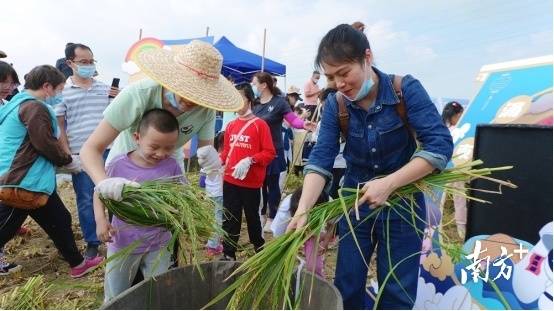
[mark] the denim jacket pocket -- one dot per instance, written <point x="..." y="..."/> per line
<point x="393" y="136"/>
<point x="355" y="150"/>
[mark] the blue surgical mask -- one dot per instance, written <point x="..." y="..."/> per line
<point x="54" y="100"/>
<point x="170" y="97"/>
<point x="364" y="90"/>
<point x="86" y="71"/>
<point x="257" y="92"/>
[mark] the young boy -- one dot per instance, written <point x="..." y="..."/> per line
<point x="314" y="258"/>
<point x="156" y="140"/>
<point x="247" y="151"/>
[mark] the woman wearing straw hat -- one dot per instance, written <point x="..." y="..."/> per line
<point x="188" y="84"/>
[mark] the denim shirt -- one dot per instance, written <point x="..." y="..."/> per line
<point x="378" y="142"/>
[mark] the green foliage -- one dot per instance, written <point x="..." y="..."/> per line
<point x="265" y="280"/>
<point x="184" y="210"/>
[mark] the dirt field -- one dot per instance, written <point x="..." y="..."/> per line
<point x="38" y="256"/>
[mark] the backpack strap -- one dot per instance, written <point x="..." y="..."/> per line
<point x="401" y="104"/>
<point x="343" y="115"/>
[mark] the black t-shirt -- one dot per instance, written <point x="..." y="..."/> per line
<point x="273" y="113"/>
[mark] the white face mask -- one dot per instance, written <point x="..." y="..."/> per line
<point x="364" y="89"/>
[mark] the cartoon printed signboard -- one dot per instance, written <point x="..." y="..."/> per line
<point x="514" y="92"/>
<point x="495" y="271"/>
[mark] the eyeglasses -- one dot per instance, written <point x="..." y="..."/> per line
<point x="84" y="62"/>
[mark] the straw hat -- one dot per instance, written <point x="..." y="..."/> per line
<point x="192" y="73"/>
<point x="294" y="90"/>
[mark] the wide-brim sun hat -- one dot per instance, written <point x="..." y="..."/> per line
<point x="194" y="73"/>
<point x="293" y="90"/>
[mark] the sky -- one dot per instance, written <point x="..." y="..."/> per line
<point x="441" y="43"/>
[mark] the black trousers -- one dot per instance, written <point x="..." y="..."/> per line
<point x="53" y="218"/>
<point x="235" y="200"/>
<point x="337" y="175"/>
<point x="271" y="195"/>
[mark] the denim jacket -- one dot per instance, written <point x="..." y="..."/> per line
<point x="378" y="142"/>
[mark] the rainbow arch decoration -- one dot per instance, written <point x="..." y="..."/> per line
<point x="143" y="45"/>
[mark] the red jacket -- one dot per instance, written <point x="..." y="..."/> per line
<point x="255" y="142"/>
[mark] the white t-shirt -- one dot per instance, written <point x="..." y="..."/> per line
<point x="214" y="185"/>
<point x="340" y="162"/>
<point x="282" y="218"/>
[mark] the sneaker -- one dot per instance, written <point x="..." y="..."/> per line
<point x="8" y="268"/>
<point x="267" y="226"/>
<point x="211" y="252"/>
<point x="227" y="258"/>
<point x="86" y="266"/>
<point x="91" y="251"/>
<point x="23" y="231"/>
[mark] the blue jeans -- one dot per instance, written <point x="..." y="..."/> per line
<point x="351" y="272"/>
<point x="120" y="272"/>
<point x="84" y="191"/>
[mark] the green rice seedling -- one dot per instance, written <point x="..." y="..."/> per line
<point x="184" y="210"/>
<point x="265" y="281"/>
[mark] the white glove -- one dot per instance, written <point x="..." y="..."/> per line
<point x="241" y="169"/>
<point x="208" y="159"/>
<point x="111" y="188"/>
<point x="72" y="168"/>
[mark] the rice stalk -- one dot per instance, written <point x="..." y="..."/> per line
<point x="264" y="281"/>
<point x="31" y="295"/>
<point x="183" y="210"/>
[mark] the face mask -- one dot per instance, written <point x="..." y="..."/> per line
<point x="364" y="90"/>
<point x="170" y="97"/>
<point x="257" y="92"/>
<point x="86" y="71"/>
<point x="54" y="100"/>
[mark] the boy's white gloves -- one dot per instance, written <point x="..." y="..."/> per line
<point x="111" y="188"/>
<point x="241" y="169"/>
<point x="72" y="168"/>
<point x="208" y="159"/>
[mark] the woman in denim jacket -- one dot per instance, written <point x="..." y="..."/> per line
<point x="380" y="152"/>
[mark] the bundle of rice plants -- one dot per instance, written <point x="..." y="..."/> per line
<point x="265" y="280"/>
<point x="184" y="210"/>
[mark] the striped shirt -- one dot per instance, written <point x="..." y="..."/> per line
<point x="83" y="110"/>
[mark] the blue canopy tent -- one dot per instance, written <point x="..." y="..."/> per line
<point x="208" y="39"/>
<point x="241" y="65"/>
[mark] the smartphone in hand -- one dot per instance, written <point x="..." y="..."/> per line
<point x="115" y="84"/>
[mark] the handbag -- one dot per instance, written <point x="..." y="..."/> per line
<point x="21" y="198"/>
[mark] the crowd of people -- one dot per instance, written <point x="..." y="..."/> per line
<point x="362" y="128"/>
